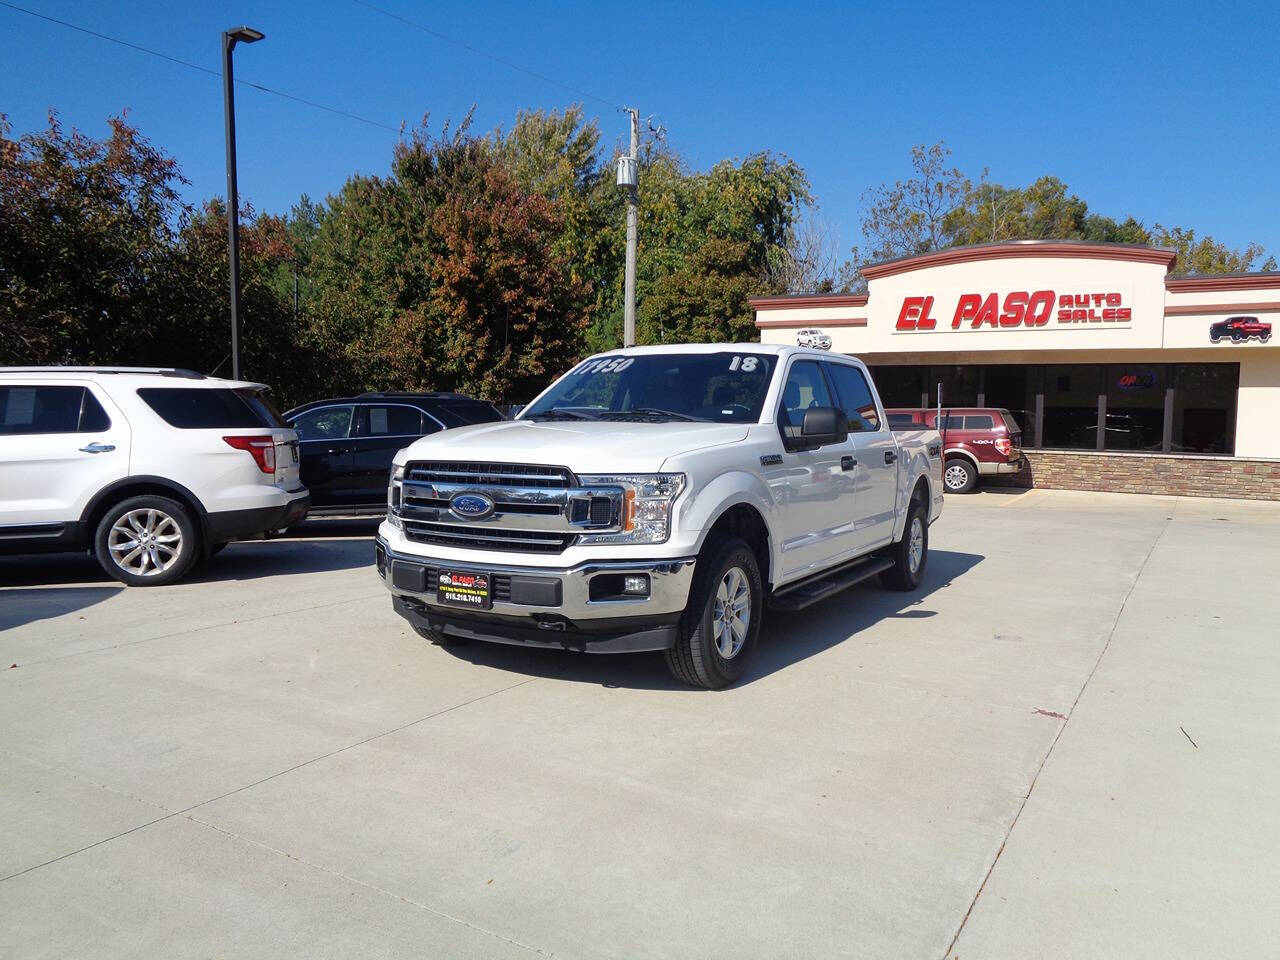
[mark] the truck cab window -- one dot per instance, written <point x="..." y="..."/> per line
<point x="806" y="387"/>
<point x="855" y="398"/>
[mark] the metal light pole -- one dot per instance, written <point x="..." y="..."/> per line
<point x="229" y="39"/>
<point x="627" y="177"/>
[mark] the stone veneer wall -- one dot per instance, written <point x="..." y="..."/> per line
<point x="1182" y="476"/>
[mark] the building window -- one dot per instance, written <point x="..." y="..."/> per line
<point x="1014" y="388"/>
<point x="1135" y="407"/>
<point x="1071" y="406"/>
<point x="899" y="386"/>
<point x="1204" y="408"/>
<point x="959" y="385"/>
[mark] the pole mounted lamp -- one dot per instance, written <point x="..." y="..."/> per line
<point x="229" y="40"/>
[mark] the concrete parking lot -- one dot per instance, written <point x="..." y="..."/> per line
<point x="1063" y="746"/>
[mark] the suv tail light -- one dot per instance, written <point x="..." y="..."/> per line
<point x="262" y="449"/>
<point x="1004" y="445"/>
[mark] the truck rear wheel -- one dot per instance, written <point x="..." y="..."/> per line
<point x="959" y="475"/>
<point x="911" y="553"/>
<point x="722" y="620"/>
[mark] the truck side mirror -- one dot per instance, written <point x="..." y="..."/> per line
<point x="823" y="425"/>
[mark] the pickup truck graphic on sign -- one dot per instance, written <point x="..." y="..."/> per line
<point x="1240" y="329"/>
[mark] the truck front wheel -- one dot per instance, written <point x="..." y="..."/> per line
<point x="722" y="620"/>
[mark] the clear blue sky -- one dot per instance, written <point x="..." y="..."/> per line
<point x="1168" y="111"/>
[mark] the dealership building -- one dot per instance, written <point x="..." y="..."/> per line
<point x="1121" y="376"/>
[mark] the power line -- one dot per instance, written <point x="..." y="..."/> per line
<point x="196" y="66"/>
<point x="484" y="53"/>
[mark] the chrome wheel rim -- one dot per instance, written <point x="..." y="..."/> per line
<point x="915" y="546"/>
<point x="145" y="542"/>
<point x="731" y="612"/>
<point x="956" y="476"/>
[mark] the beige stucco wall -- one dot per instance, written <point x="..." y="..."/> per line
<point x="1258" y="419"/>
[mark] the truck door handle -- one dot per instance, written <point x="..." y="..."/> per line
<point x="98" y="448"/>
<point x="890" y="456"/>
<point x="847" y="463"/>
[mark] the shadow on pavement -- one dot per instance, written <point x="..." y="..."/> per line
<point x="784" y="639"/>
<point x="313" y="546"/>
<point x="20" y="607"/>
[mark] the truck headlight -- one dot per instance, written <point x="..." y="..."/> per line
<point x="395" y="491"/>
<point x="646" y="506"/>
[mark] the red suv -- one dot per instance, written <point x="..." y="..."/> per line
<point x="976" y="441"/>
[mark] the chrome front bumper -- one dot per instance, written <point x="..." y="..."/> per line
<point x="546" y="606"/>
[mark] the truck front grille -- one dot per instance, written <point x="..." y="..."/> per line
<point x="486" y="538"/>
<point x="490" y="474"/>
<point x="536" y="509"/>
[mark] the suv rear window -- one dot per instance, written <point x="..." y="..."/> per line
<point x="215" y="408"/>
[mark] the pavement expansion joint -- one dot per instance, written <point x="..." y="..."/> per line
<point x="330" y="871"/>
<point x="1062" y="726"/>
<point x="279" y="773"/>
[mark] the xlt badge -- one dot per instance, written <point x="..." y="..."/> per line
<point x="771" y="460"/>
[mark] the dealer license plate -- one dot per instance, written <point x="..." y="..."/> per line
<point x="456" y="589"/>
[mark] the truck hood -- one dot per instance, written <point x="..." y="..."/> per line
<point x="587" y="446"/>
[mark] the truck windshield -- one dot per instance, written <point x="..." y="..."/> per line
<point x="726" y="387"/>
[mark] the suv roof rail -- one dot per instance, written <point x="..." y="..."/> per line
<point x="425" y="394"/>
<point x="153" y="371"/>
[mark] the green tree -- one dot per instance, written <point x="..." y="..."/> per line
<point x="85" y="231"/>
<point x="937" y="207"/>
<point x="447" y="274"/>
<point x="911" y="216"/>
<point x="1203" y="255"/>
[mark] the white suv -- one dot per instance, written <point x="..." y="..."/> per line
<point x="150" y="469"/>
<point x="814" y="338"/>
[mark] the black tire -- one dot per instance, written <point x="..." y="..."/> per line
<point x="158" y="555"/>
<point x="697" y="657"/>
<point x="1236" y="337"/>
<point x="959" y="475"/>
<point x="439" y="638"/>
<point x="906" y="574"/>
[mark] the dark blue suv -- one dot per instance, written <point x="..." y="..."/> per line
<point x="347" y="443"/>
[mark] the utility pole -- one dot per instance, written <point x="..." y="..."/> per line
<point x="229" y="39"/>
<point x="631" y="182"/>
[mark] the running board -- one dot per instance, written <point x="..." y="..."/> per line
<point x="824" y="585"/>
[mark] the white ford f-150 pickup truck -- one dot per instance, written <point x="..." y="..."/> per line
<point x="660" y="498"/>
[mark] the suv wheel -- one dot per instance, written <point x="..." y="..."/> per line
<point x="959" y="476"/>
<point x="722" y="620"/>
<point x="146" y="541"/>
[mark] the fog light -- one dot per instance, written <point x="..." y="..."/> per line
<point x="635" y="585"/>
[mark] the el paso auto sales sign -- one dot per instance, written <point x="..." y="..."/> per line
<point x="1093" y="305"/>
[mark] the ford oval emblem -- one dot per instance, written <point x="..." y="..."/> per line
<point x="471" y="506"/>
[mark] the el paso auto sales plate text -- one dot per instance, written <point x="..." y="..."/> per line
<point x="1019" y="308"/>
